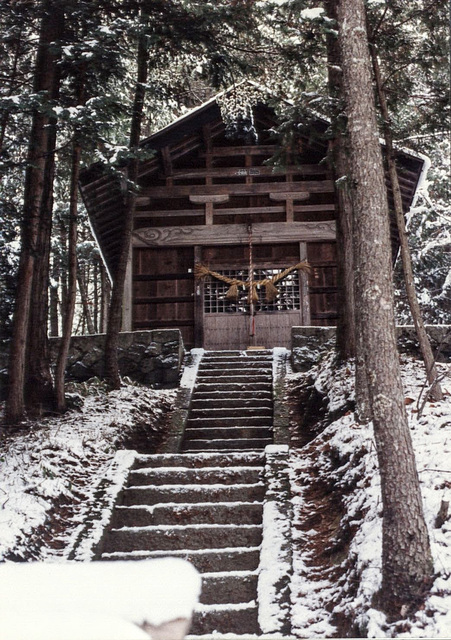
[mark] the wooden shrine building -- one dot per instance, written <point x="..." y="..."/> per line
<point x="217" y="200"/>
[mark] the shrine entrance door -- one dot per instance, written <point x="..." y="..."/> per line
<point x="235" y="323"/>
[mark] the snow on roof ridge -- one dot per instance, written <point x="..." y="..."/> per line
<point x="204" y="105"/>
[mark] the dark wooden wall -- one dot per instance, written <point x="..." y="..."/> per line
<point x="323" y="283"/>
<point x="163" y="286"/>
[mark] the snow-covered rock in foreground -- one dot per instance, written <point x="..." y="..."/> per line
<point x="97" y="600"/>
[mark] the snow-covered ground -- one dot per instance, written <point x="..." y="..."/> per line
<point x="62" y="470"/>
<point x="343" y="458"/>
<point x="67" y="470"/>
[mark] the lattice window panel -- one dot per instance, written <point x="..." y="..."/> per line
<point x="215" y="292"/>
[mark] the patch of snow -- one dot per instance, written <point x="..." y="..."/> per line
<point x="344" y="455"/>
<point x="71" y="601"/>
<point x="189" y="373"/>
<point x="310" y="14"/>
<point x="55" y="472"/>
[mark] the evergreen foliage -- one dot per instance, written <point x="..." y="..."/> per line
<point x="195" y="49"/>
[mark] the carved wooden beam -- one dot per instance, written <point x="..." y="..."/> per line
<point x="231" y="172"/>
<point x="236" y="211"/>
<point x="223" y="197"/>
<point x="300" y="195"/>
<point x="273" y="232"/>
<point x="255" y="150"/>
<point x="180" y="191"/>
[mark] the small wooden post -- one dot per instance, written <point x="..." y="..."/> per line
<point x="304" y="289"/>
<point x="127" y="306"/>
<point x="198" y="303"/>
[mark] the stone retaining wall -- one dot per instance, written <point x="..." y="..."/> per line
<point x="308" y="344"/>
<point x="147" y="357"/>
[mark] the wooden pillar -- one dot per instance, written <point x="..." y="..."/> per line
<point x="304" y="288"/>
<point x="198" y="304"/>
<point x="127" y="303"/>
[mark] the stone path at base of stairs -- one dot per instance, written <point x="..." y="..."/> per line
<point x="206" y="503"/>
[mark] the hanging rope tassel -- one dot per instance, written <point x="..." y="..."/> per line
<point x="253" y="294"/>
<point x="232" y="293"/>
<point x="271" y="292"/>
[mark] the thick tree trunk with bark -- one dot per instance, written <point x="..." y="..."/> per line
<point x="406" y="558"/>
<point x="115" y="314"/>
<point x="34" y="192"/>
<point x="39" y="388"/>
<point x="423" y="340"/>
<point x="72" y="281"/>
<point x="345" y="254"/>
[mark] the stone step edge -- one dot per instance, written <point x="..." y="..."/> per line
<point x="149" y="470"/>
<point x="202" y="455"/>
<point x="224" y="440"/>
<point x="179" y="552"/>
<point x="187" y="505"/>
<point x="229" y="574"/>
<point x="186" y="527"/>
<point x="227" y="606"/>
<point x="231" y="636"/>
<point x="216" y="485"/>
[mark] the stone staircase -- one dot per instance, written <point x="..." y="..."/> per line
<point x="231" y="405"/>
<point x="206" y="503"/>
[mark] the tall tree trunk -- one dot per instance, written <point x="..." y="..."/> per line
<point x="406" y="558"/>
<point x="53" y="300"/>
<point x="39" y="388"/>
<point x="423" y="340"/>
<point x="115" y="314"/>
<point x="345" y="254"/>
<point x="44" y="81"/>
<point x="63" y="274"/>
<point x="72" y="281"/>
<point x="85" y="303"/>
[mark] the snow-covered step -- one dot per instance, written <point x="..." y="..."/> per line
<point x="230" y="409"/>
<point x="204" y="475"/>
<point x="260" y="354"/>
<point x="229" y="587"/>
<point x="235" y="372"/>
<point x="170" y="537"/>
<point x="152" y="494"/>
<point x="245" y="384"/>
<point x="241" y="358"/>
<point x="230" y="421"/>
<point x="199" y="460"/>
<point x="233" y="402"/>
<point x="248" y="398"/>
<point x="188" y="513"/>
<point x="240" y="618"/>
<point x="205" y="560"/>
<point x="212" y="432"/>
<point x="235" y="364"/>
<point x="236" y="636"/>
<point x="229" y="445"/>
